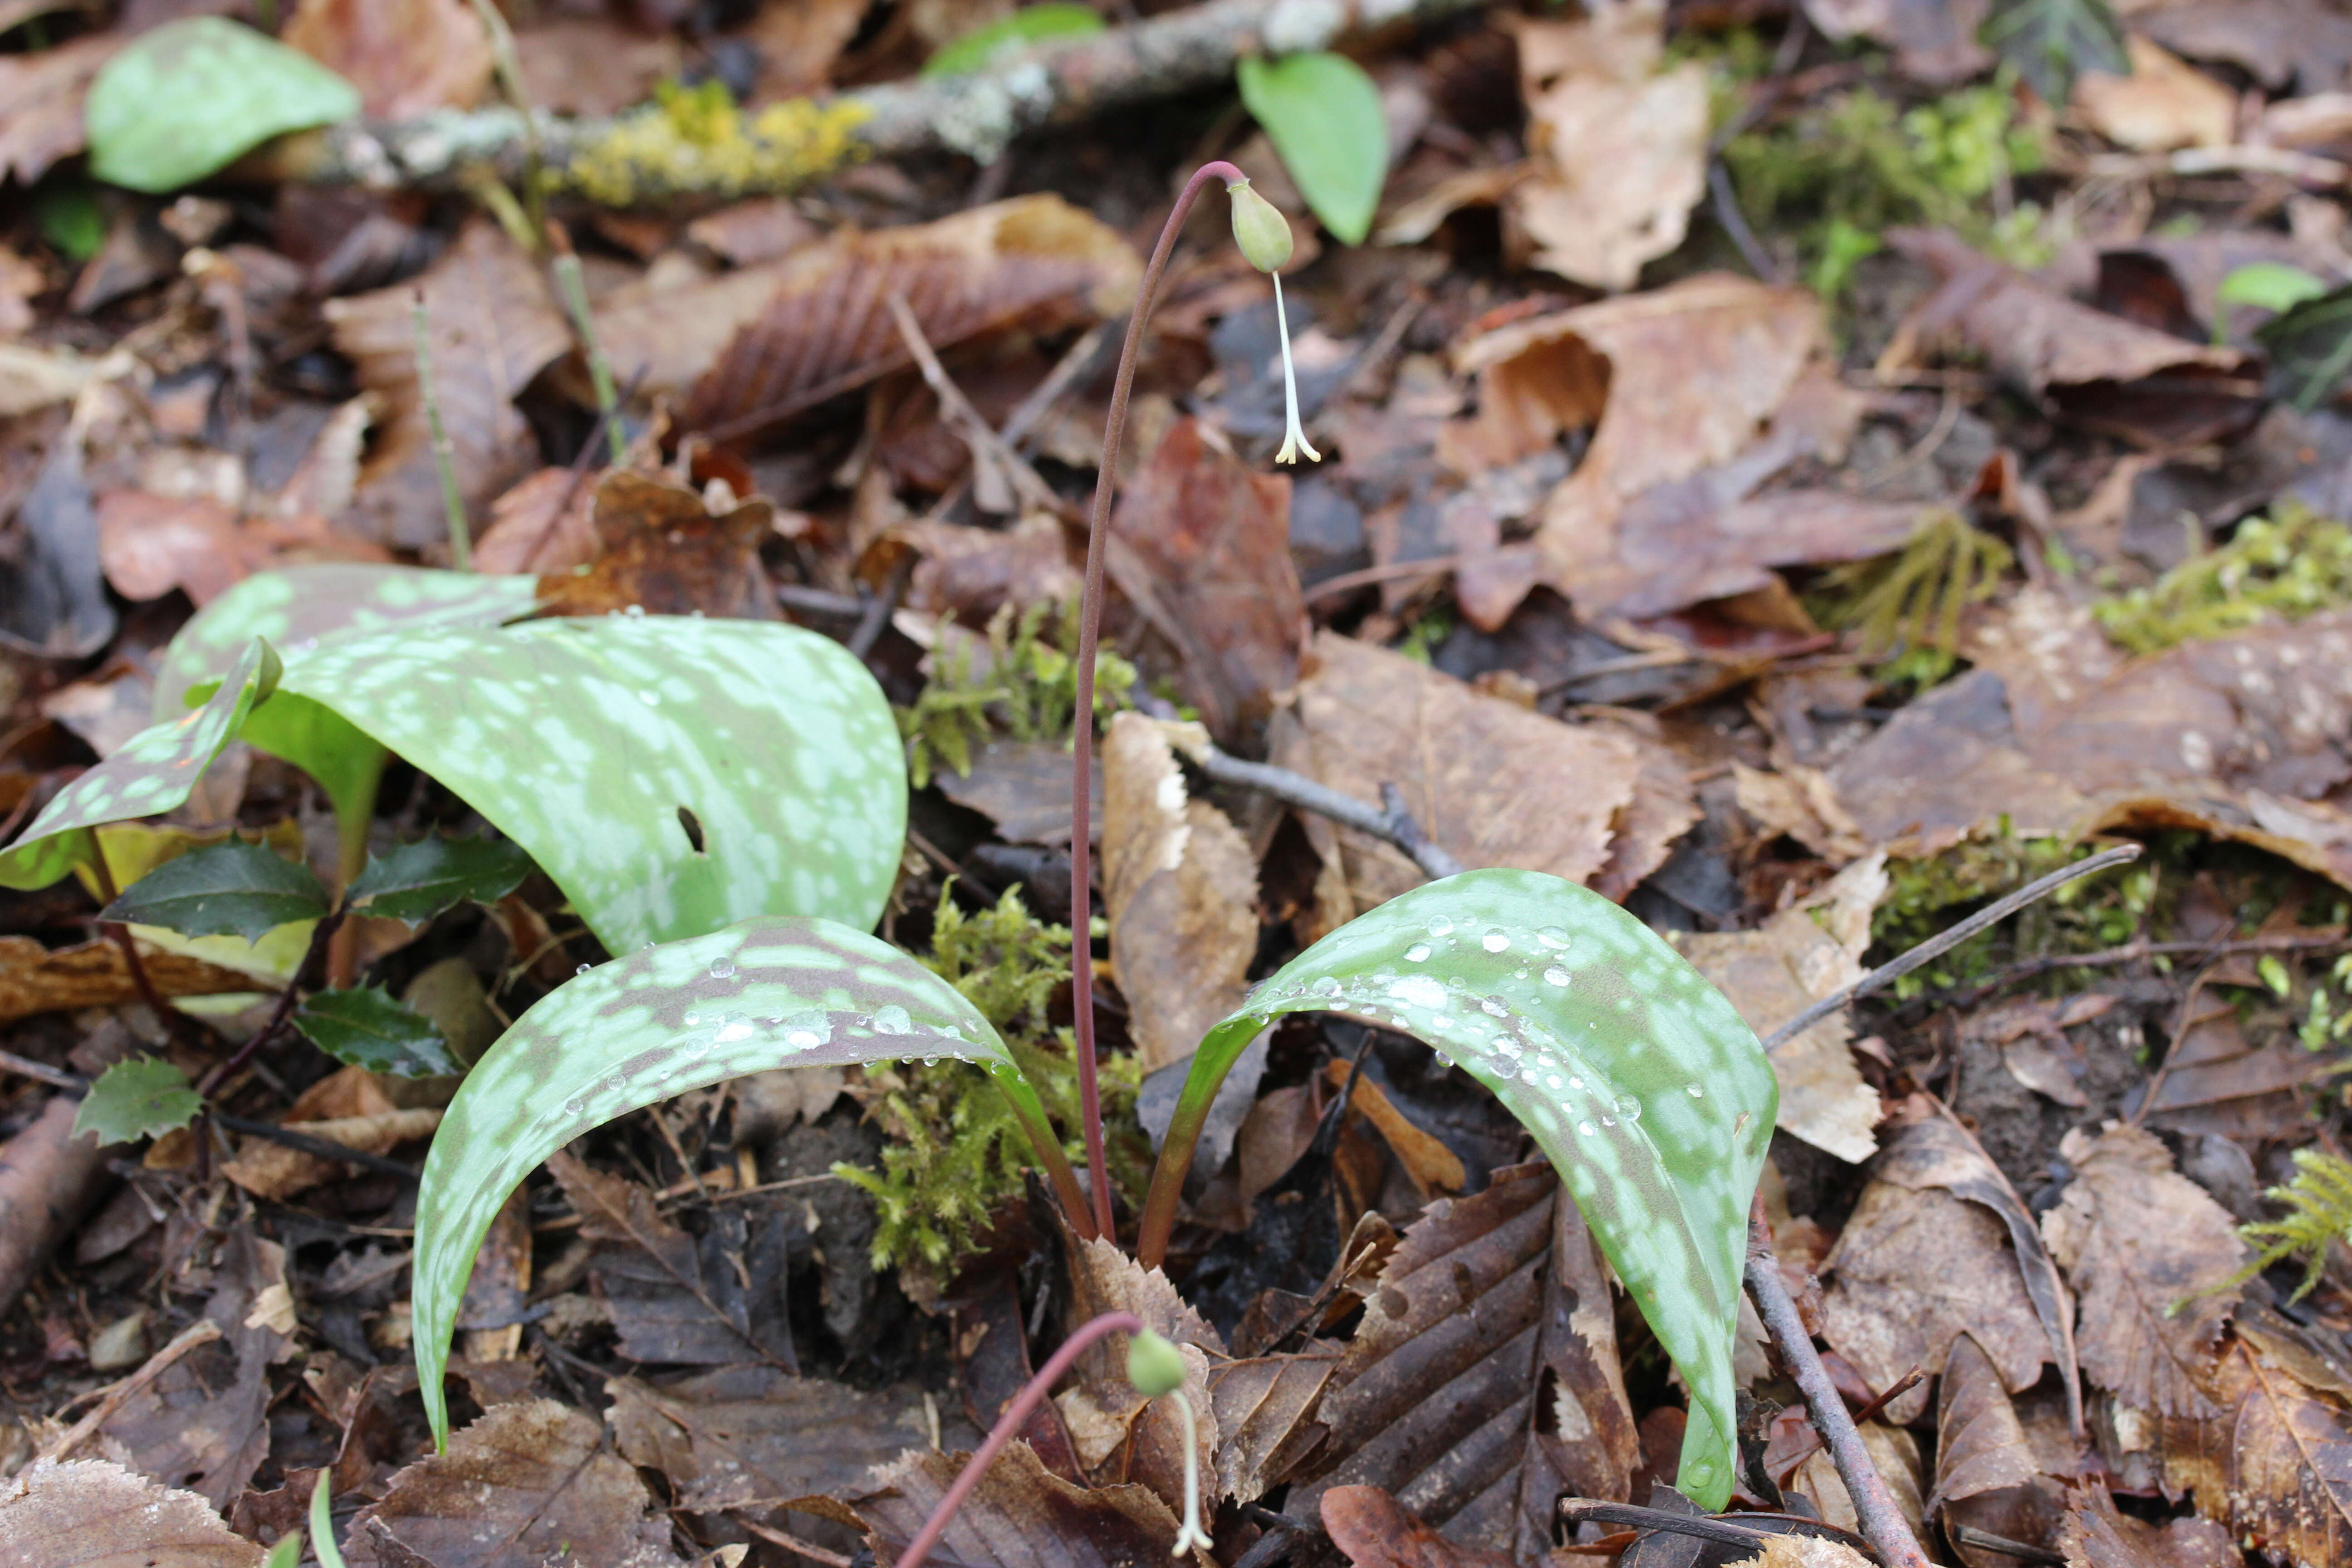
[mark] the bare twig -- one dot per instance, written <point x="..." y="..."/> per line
<point x="876" y="614"/>
<point x="1735" y="222"/>
<point x="203" y="1332"/>
<point x="1935" y="948"/>
<point x="445" y="460"/>
<point x="1365" y="577"/>
<point x="1699" y="1526"/>
<point x="1394" y="827"/>
<point x="987" y="446"/>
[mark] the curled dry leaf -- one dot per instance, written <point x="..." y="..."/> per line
<point x="2164" y="103"/>
<point x="663" y="549"/>
<point x="151" y="544"/>
<point x="35" y="979"/>
<point x="1021" y="1515"/>
<point x="407" y="57"/>
<point x="91" y="1513"/>
<point x="2001" y="1465"/>
<point x="752" y="1437"/>
<point x="272" y="1171"/>
<point x="1375" y="1531"/>
<point x="1482" y="1384"/>
<point x="541" y="525"/>
<point x="1265" y="1416"/>
<point x="1180" y="887"/>
<point x="2151" y="1255"/>
<point x="1775" y="972"/>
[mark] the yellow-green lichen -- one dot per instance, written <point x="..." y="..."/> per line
<point x="695" y="140"/>
<point x="2284" y="568"/>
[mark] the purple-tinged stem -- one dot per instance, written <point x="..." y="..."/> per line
<point x="1082" y="969"/>
<point x="1016" y="1414"/>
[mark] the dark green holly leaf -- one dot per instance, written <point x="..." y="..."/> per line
<point x="230" y="888"/>
<point x="417" y="881"/>
<point x="367" y="1028"/>
<point x="2050" y="42"/>
<point x="2310" y="347"/>
<point x="137" y="1099"/>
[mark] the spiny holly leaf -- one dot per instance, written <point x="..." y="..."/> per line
<point x="136" y="1099"/>
<point x="1634" y="1076"/>
<point x="367" y="1028"/>
<point x="229" y="889"/>
<point x="189" y="97"/>
<point x="2310" y="347"/>
<point x="417" y="881"/>
<point x="1323" y="115"/>
<point x="299" y="608"/>
<point x="153" y="771"/>
<point x="671" y="774"/>
<point x="2050" y="42"/>
<point x="769" y="993"/>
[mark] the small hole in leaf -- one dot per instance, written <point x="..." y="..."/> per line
<point x="693" y="825"/>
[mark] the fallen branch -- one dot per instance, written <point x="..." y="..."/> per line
<point x="648" y="154"/>
<point x="1393" y="826"/>
<point x="203" y="1332"/>
<point x="48" y="1179"/>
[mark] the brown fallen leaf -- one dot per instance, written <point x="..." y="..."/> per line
<point x="272" y="1171"/>
<point x="1891" y="1449"/>
<point x="1021" y="1515"/>
<point x="1265" y="1416"/>
<point x="971" y="574"/>
<point x="2277" y="41"/>
<point x="1478" y="773"/>
<point x="1793" y="1551"/>
<point x="2163" y="104"/>
<point x="746" y="232"/>
<point x="1483" y="1383"/>
<point x="2151" y="1255"/>
<point x="753" y="1437"/>
<point x="1428" y="1163"/>
<point x="151" y="544"/>
<point x="1617" y="147"/>
<point x="35" y="979"/>
<point x="1024" y="786"/>
<point x="530" y="1481"/>
<point x="41" y="93"/>
<point x="1934" y="40"/>
<point x="1180" y="886"/>
<point x="527" y="532"/>
<point x="49" y="1178"/>
<point x="665" y="548"/>
<point x="93" y="1513"/>
<point x="798" y="45"/>
<point x="1118" y="1432"/>
<point x="1779" y="970"/>
<point x="407" y="57"/>
<point x="593" y="65"/>
<point x="498" y="1291"/>
<point x="493" y="326"/>
<point x="1998" y="1468"/>
<point x="2096" y="1534"/>
<point x="1374" y="1532"/>
<point x="820" y="322"/>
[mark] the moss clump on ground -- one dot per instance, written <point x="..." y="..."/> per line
<point x="1930" y="894"/>
<point x="1023" y="685"/>
<point x="2287" y="567"/>
<point x="1906" y="607"/>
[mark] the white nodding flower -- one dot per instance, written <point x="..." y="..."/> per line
<point x="1294" y="436"/>
<point x="1264" y="236"/>
<point x="1190" y="1534"/>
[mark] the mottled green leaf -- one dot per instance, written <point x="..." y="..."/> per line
<point x="300" y="608"/>
<point x="187" y="99"/>
<point x="229" y="889"/>
<point x="136" y="1099"/>
<point x="2051" y="42"/>
<point x="1050" y="23"/>
<point x="417" y="881"/>
<point x="2310" y="347"/>
<point x="368" y="1027"/>
<point x="1633" y="1074"/>
<point x="766" y="993"/>
<point x="1323" y="115"/>
<point x="151" y="772"/>
<point x="585" y="741"/>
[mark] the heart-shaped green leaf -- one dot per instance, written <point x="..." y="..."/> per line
<point x="417" y="881"/>
<point x="136" y="1099"/>
<point x="1055" y="21"/>
<point x="1323" y="115"/>
<point x="229" y="889"/>
<point x="187" y="99"/>
<point x="368" y="1027"/>
<point x="1633" y="1074"/>
<point x="766" y="993"/>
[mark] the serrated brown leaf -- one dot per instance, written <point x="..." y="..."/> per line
<point x="92" y="1513"/>
<point x="1120" y="1436"/>
<point x="1021" y="1515"/>
<point x="527" y="532"/>
<point x="2151" y="1255"/>
<point x="1483" y="1383"/>
<point x="2095" y="1535"/>
<point x="660" y="549"/>
<point x="752" y="1437"/>
<point x="824" y="326"/>
<point x="530" y="1481"/>
<point x="1374" y="1532"/>
<point x="1265" y="1416"/>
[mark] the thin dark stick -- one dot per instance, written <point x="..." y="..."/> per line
<point x="1298" y="790"/>
<point x="877" y="611"/>
<point x="1873" y="1505"/>
<point x="1936" y="947"/>
<point x="811" y="601"/>
<point x="1701" y="1526"/>
<point x="1082" y="966"/>
<point x="1409" y="837"/>
<point x="320" y="934"/>
<point x="172" y="1020"/>
<point x="1985" y="1540"/>
<point x="1734" y="224"/>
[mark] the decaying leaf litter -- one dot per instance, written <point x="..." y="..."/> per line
<point x="1801" y="472"/>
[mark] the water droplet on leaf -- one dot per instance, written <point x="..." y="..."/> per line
<point x="1586" y="1128"/>
<point x="1495" y="942"/>
<point x="722" y="969"/>
<point x="1416" y="953"/>
<point x="891" y="1019"/>
<point x="1555" y="975"/>
<point x="1629" y="1108"/>
<point x="1696" y="1092"/>
<point x="1324" y="985"/>
<point x="1439" y="925"/>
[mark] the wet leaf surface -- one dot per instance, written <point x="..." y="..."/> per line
<point x="94" y="1514"/>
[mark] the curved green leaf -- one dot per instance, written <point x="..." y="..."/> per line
<point x="1053" y="22"/>
<point x="415" y="881"/>
<point x="153" y="771"/>
<point x="229" y="889"/>
<point x="1323" y="115"/>
<point x="368" y="1027"/>
<point x="136" y="1099"/>
<point x="765" y="994"/>
<point x="190" y="97"/>
<point x="1633" y="1074"/>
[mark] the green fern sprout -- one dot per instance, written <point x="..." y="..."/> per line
<point x="2320" y="1199"/>
<point x="1907" y="606"/>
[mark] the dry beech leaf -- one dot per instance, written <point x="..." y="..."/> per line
<point x="1024" y="786"/>
<point x="151" y="544"/>
<point x="2151" y="1253"/>
<point x="2095" y="1535"/>
<point x="1794" y="1551"/>
<point x="1374" y="1532"/>
<point x="43" y="90"/>
<point x="593" y="65"/>
<point x="662" y="549"/>
<point x="1119" y="1433"/>
<point x="531" y="1480"/>
<point x="1483" y="1383"/>
<point x="35" y="979"/>
<point x="797" y="44"/>
<point x="1265" y="1416"/>
<point x="753" y="1437"/>
<point x="1617" y="148"/>
<point x="1936" y="40"/>
<point x="1021" y="1515"/>
<point x="1896" y="1453"/>
<point x="1775" y="972"/>
<point x="972" y="572"/>
<point x="91" y="1513"/>
<point x="824" y="325"/>
<point x="272" y="1171"/>
<point x="493" y="327"/>
<point x="1200" y="544"/>
<point x="541" y="525"/>
<point x="1428" y="1163"/>
<point x="1999" y="1467"/>
<point x="2163" y="104"/>
<point x="1481" y="775"/>
<point x="407" y="57"/>
<point x="1179" y="885"/>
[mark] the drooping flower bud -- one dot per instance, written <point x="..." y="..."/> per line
<point x="1153" y="1366"/>
<point x="1259" y="228"/>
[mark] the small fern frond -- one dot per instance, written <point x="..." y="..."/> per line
<point x="2319" y="1201"/>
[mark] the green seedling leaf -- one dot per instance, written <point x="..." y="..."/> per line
<point x="2268" y="286"/>
<point x="417" y="881"/>
<point x="367" y="1028"/>
<point x="769" y="993"/>
<point x="1046" y="24"/>
<point x="2310" y="347"/>
<point x="191" y="97"/>
<point x="229" y="889"/>
<point x="1323" y="115"/>
<point x="2050" y="42"/>
<point x="673" y="776"/>
<point x="300" y="608"/>
<point x="1633" y="1074"/>
<point x="136" y="1099"/>
<point x="288" y="1552"/>
<point x="153" y="771"/>
<point x="322" y="1524"/>
<point x="69" y="217"/>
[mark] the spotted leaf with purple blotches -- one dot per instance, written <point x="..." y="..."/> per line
<point x="772" y="993"/>
<point x="1635" y="1076"/>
